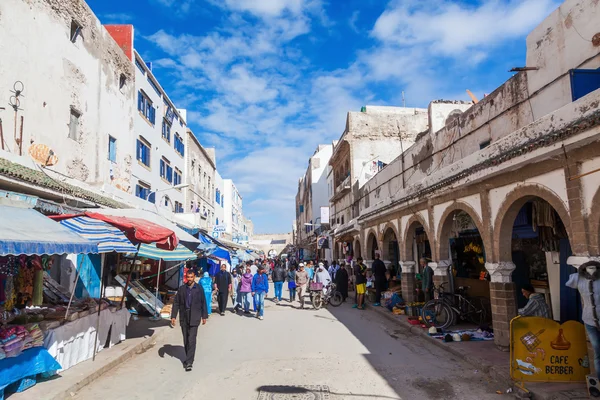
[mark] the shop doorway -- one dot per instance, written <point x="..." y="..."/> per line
<point x="467" y="254"/>
<point x="390" y="252"/>
<point x="417" y="245"/>
<point x="372" y="246"/>
<point x="539" y="250"/>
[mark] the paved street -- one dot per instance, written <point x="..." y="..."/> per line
<point x="355" y="354"/>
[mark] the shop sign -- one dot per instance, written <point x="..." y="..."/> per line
<point x="219" y="228"/>
<point x="323" y="243"/>
<point x="542" y="350"/>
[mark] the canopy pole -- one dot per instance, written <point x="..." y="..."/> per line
<point x="157" y="317"/>
<point x="74" y="287"/>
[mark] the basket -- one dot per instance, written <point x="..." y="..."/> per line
<point x="316" y="286"/>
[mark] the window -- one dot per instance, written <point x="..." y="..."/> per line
<point x="178" y="207"/>
<point x="485" y="144"/>
<point x="143" y="152"/>
<point x="154" y="85"/>
<point x="75" y="30"/>
<point x="177" y="177"/>
<point x="74" y="124"/>
<point x="142" y="190"/>
<point x="217" y="223"/>
<point x="218" y="196"/>
<point x="301" y="208"/>
<point x="166" y="130"/>
<point x="140" y="66"/>
<point x="112" y="149"/>
<point x="122" y="81"/>
<point x="179" y="146"/>
<point x="166" y="171"/>
<point x="145" y="107"/>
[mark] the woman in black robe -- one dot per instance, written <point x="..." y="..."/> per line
<point x="341" y="281"/>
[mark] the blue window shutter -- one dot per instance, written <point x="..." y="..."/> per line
<point x="140" y="101"/>
<point x="112" y="149"/>
<point x="152" y="198"/>
<point x="162" y="168"/>
<point x="139" y="151"/>
<point x="152" y="114"/>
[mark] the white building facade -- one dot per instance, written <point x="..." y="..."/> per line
<point x="219" y="200"/>
<point x="199" y="174"/>
<point x="85" y="117"/>
<point x="159" y="146"/>
<point x="313" y="198"/>
<point x="232" y="209"/>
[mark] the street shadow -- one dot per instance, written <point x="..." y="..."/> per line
<point x="316" y="392"/>
<point x="144" y="327"/>
<point x="177" y="352"/>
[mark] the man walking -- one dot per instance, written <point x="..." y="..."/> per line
<point x="301" y="281"/>
<point x="278" y="279"/>
<point x="380" y="280"/>
<point x="236" y="298"/>
<point x="260" y="288"/>
<point x="190" y="304"/>
<point x="360" y="271"/>
<point x="223" y="286"/>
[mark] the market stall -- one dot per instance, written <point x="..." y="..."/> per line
<point x="27" y="241"/>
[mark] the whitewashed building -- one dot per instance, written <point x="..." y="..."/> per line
<point x="232" y="208"/>
<point x="73" y="92"/>
<point x="199" y="174"/>
<point x="219" y="200"/>
<point x="311" y="198"/>
<point x="159" y="143"/>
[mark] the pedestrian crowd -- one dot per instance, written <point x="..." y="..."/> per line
<point x="247" y="286"/>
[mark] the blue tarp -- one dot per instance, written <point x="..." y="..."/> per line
<point x="26" y="231"/>
<point x="222" y="253"/>
<point x="30" y="362"/>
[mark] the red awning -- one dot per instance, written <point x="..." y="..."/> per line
<point x="137" y="230"/>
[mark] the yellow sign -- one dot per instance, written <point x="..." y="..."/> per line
<point x="542" y="350"/>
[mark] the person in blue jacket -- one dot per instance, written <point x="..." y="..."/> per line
<point x="260" y="288"/>
<point x="206" y="283"/>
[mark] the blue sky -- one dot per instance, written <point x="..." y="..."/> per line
<point x="266" y="81"/>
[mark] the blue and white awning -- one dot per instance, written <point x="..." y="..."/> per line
<point x="26" y="231"/>
<point x="108" y="237"/>
<point x="179" y="254"/>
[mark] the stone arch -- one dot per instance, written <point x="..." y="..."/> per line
<point x="371" y="238"/>
<point x="357" y="249"/>
<point x="414" y="221"/>
<point x="512" y="204"/>
<point x="594" y="225"/>
<point x="390" y="235"/>
<point x="445" y="226"/>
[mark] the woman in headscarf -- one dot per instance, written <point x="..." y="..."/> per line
<point x="207" y="285"/>
<point x="322" y="276"/>
<point x="341" y="281"/>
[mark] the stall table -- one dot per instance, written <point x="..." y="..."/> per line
<point x="73" y="342"/>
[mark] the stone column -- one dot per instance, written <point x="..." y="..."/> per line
<point x="408" y="281"/>
<point x="504" y="301"/>
<point x="440" y="272"/>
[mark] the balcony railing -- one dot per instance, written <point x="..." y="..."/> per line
<point x="341" y="189"/>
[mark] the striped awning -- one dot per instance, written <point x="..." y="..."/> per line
<point x="179" y="254"/>
<point x="26" y="231"/>
<point x="108" y="237"/>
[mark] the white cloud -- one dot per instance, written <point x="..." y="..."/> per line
<point x="452" y="28"/>
<point x="353" y="20"/>
<point x="252" y="93"/>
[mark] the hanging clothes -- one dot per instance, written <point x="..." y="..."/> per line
<point x="543" y="214"/>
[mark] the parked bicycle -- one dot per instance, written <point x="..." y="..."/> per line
<point x="331" y="296"/>
<point x="444" y="310"/>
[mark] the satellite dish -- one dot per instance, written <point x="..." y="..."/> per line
<point x="43" y="155"/>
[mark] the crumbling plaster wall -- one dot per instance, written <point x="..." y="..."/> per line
<point x="561" y="42"/>
<point x="57" y="75"/>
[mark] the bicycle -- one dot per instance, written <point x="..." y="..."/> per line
<point x="444" y="310"/>
<point x="331" y="296"/>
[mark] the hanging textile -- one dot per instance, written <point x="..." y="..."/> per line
<point x="543" y="214"/>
